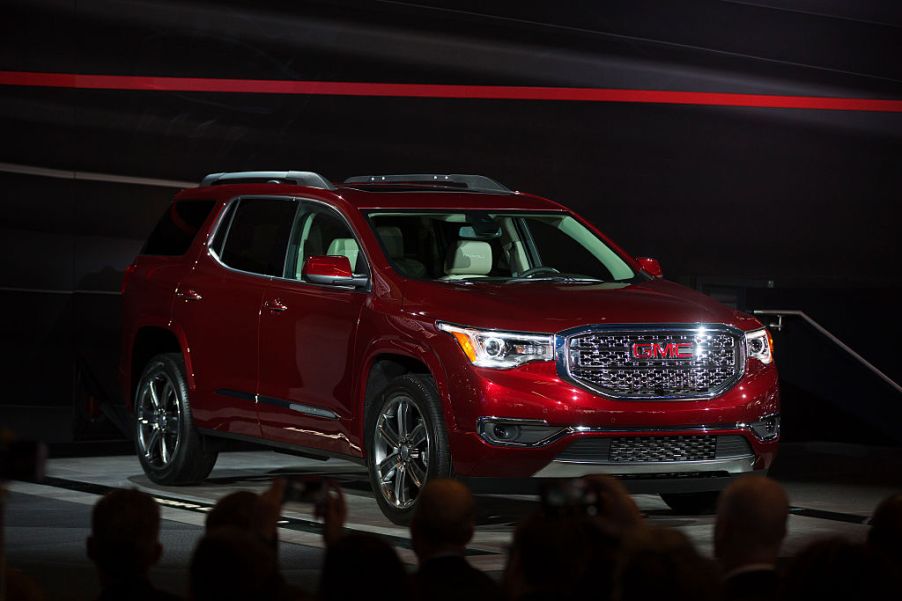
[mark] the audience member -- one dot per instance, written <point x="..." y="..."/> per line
<point x="363" y="566"/>
<point x="233" y="564"/>
<point x="258" y="516"/>
<point x="614" y="509"/>
<point x="443" y="524"/>
<point x="124" y="544"/>
<point x="885" y="535"/>
<point x="836" y="568"/>
<point x="660" y="563"/>
<point x="235" y="510"/>
<point x="548" y="557"/>
<point x="751" y="523"/>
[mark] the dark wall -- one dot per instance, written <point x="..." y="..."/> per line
<point x="765" y="207"/>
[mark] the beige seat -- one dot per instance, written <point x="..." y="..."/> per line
<point x="467" y="259"/>
<point x="346" y="247"/>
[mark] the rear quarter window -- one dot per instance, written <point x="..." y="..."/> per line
<point x="178" y="227"/>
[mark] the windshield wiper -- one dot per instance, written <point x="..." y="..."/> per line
<point x="567" y="279"/>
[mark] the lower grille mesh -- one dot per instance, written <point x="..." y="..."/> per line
<point x="663" y="448"/>
<point x="655" y="449"/>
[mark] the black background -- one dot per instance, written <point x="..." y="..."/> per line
<point x="764" y="208"/>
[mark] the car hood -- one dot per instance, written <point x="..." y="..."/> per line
<point x="545" y="306"/>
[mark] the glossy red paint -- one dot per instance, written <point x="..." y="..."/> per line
<point x="261" y="351"/>
<point x="328" y="266"/>
<point x="650" y="266"/>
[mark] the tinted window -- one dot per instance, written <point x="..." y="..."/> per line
<point x="320" y="231"/>
<point x="177" y="228"/>
<point x="258" y="236"/>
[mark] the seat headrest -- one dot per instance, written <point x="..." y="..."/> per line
<point x="393" y="240"/>
<point x="346" y="247"/>
<point x="469" y="257"/>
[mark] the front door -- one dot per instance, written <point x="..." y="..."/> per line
<point x="307" y="337"/>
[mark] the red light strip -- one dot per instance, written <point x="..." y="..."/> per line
<point x="408" y="90"/>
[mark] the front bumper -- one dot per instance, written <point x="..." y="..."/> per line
<point x="535" y="394"/>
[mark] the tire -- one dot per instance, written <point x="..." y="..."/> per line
<point x="403" y="454"/>
<point x="169" y="447"/>
<point x="695" y="503"/>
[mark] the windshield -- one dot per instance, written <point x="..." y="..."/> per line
<point x="481" y="245"/>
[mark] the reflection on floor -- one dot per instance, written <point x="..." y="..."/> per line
<point x="833" y="490"/>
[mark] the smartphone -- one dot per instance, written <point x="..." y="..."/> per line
<point x="304" y="489"/>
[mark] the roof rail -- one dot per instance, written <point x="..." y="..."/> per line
<point x="476" y="183"/>
<point x="299" y="178"/>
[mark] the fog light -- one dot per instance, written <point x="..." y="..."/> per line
<point x="506" y="431"/>
<point x="767" y="428"/>
<point x="517" y="432"/>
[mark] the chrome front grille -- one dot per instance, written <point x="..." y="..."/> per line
<point x="709" y="361"/>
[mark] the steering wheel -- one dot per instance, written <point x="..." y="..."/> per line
<point x="537" y="270"/>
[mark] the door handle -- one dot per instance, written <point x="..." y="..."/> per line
<point x="275" y="305"/>
<point x="189" y="295"/>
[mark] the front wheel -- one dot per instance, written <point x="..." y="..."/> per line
<point x="407" y="444"/>
<point x="169" y="447"/>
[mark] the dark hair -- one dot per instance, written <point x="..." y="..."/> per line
<point x="885" y="535"/>
<point x="125" y="528"/>
<point x="551" y="553"/>
<point x="230" y="563"/>
<point x="235" y="509"/>
<point x="835" y="568"/>
<point x="355" y="563"/>
<point x="662" y="563"/>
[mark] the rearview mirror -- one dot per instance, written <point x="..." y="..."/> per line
<point x="332" y="270"/>
<point x="650" y="266"/>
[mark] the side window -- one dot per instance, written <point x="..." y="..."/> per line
<point x="258" y="235"/>
<point x="177" y="227"/>
<point x="321" y="231"/>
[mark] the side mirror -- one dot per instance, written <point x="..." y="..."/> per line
<point x="650" y="266"/>
<point x="332" y="270"/>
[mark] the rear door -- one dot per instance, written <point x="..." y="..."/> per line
<point x="218" y="307"/>
<point x="307" y="337"/>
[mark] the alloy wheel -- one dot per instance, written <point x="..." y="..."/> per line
<point x="158" y="414"/>
<point x="401" y="451"/>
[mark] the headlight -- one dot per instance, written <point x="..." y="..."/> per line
<point x="760" y="345"/>
<point x="501" y="350"/>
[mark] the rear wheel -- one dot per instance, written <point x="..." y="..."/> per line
<point x="696" y="503"/>
<point x="407" y="444"/>
<point x="170" y="449"/>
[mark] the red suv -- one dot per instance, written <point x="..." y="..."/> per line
<point x="429" y="325"/>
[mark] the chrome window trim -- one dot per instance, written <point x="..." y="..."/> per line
<point x="562" y="347"/>
<point x="273" y="278"/>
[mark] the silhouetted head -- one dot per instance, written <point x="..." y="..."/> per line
<point x="125" y="529"/>
<point x="751" y="522"/>
<point x="660" y="563"/>
<point x="836" y="568"/>
<point x="614" y="508"/>
<point x="362" y="566"/>
<point x="444" y="518"/>
<point x="549" y="555"/>
<point x="232" y="564"/>
<point x="235" y="510"/>
<point x="885" y="535"/>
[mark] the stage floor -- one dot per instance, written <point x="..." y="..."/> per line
<point x="833" y="490"/>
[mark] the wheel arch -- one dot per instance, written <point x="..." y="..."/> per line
<point x="151" y="340"/>
<point x="384" y="364"/>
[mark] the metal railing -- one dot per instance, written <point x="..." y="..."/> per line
<point x="796" y="313"/>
